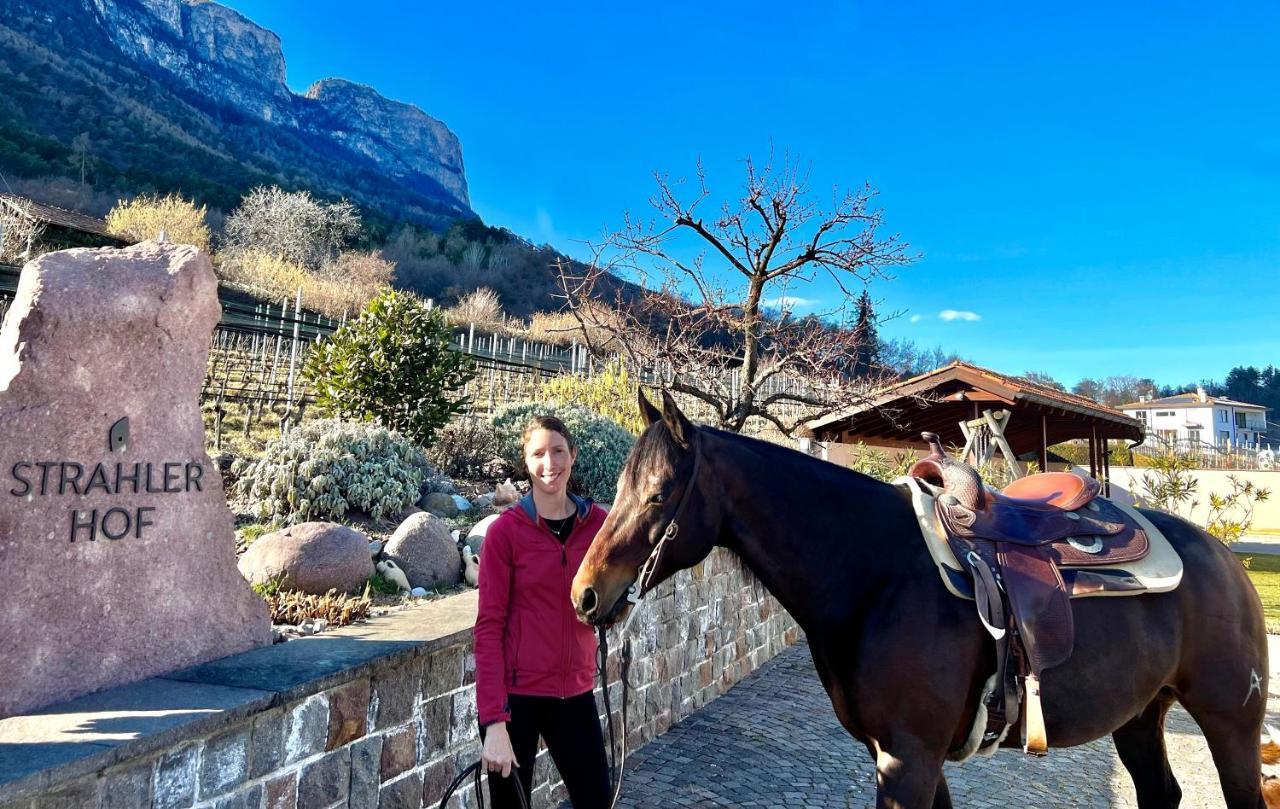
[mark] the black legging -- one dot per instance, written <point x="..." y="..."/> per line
<point x="571" y="728"/>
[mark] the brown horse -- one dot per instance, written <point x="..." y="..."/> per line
<point x="902" y="659"/>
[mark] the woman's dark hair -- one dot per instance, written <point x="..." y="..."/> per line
<point x="551" y="423"/>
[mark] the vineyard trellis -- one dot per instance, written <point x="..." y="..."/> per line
<point x="258" y="346"/>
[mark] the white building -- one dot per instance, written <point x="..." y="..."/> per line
<point x="1197" y="418"/>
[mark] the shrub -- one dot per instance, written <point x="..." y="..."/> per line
<point x="393" y="363"/>
<point x="143" y="218"/>
<point x="610" y="393"/>
<point x="322" y="468"/>
<point x="463" y="448"/>
<point x="877" y="464"/>
<point x="603" y="446"/>
<point x="481" y="307"/>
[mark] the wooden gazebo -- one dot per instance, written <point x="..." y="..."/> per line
<point x="959" y="399"/>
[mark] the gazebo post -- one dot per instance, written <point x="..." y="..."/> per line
<point x="1044" y="443"/>
<point x="1106" y="467"/>
<point x="1093" y="451"/>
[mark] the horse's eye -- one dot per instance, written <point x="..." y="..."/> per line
<point x="656" y="499"/>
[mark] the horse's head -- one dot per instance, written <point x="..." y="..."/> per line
<point x="660" y="493"/>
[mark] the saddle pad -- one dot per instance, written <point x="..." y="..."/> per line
<point x="1159" y="572"/>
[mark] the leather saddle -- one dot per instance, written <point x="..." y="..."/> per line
<point x="1017" y="544"/>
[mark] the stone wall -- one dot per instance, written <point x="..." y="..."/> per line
<point x="376" y="715"/>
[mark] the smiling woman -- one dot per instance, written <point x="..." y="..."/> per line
<point x="534" y="660"/>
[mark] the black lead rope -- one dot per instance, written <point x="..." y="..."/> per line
<point x="617" y="753"/>
<point x="476" y="770"/>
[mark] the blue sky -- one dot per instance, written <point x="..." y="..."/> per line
<point x="1095" y="182"/>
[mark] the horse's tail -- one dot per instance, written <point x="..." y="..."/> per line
<point x="1270" y="750"/>
<point x="1270" y="754"/>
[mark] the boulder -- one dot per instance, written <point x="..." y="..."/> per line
<point x="425" y="550"/>
<point x="313" y="557"/>
<point x="475" y="537"/>
<point x="117" y="552"/>
<point x="440" y="504"/>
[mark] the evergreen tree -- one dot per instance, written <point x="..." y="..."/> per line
<point x="867" y="354"/>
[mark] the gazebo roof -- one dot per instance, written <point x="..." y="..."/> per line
<point x="59" y="217"/>
<point x="939" y="400"/>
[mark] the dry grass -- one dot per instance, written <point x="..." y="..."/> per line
<point x="340" y="288"/>
<point x="339" y="609"/>
<point x="562" y="328"/>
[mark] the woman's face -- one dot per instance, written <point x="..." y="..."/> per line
<point x="549" y="460"/>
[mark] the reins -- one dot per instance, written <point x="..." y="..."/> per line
<point x="617" y="749"/>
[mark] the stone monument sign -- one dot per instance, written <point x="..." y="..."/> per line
<point x="117" y="552"/>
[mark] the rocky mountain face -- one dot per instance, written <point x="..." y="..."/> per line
<point x="191" y="95"/>
<point x="216" y="52"/>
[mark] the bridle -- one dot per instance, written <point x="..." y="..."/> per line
<point x="638" y="588"/>
<point x="645" y="577"/>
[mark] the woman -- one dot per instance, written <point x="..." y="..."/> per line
<point x="535" y="662"/>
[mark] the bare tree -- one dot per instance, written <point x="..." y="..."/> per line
<point x="293" y="226"/>
<point x="716" y="316"/>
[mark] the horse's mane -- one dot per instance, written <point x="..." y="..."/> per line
<point x="814" y="470"/>
<point x="791" y="468"/>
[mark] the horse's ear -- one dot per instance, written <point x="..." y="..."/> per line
<point x="648" y="412"/>
<point x="681" y="428"/>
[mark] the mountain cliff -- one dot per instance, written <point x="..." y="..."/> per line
<point x="135" y="95"/>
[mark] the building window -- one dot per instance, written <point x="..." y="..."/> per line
<point x="1224" y="439"/>
<point x="1167" y="435"/>
<point x="1142" y="416"/>
<point x="1193" y="436"/>
<point x="1160" y="413"/>
<point x="1222" y="417"/>
<point x="1242" y="420"/>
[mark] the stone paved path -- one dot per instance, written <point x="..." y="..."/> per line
<point x="773" y="741"/>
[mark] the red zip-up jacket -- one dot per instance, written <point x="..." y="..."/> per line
<point x="527" y="638"/>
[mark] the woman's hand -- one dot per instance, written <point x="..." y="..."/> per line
<point x="497" y="755"/>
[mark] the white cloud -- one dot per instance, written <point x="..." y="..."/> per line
<point x="958" y="314"/>
<point x="545" y="227"/>
<point x="917" y="318"/>
<point x="789" y="302"/>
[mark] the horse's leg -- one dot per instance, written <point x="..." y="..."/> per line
<point x="942" y="795"/>
<point x="1233" y="732"/>
<point x="1140" y="743"/>
<point x="1226" y="694"/>
<point x="908" y="777"/>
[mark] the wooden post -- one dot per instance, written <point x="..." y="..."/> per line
<point x="1093" y="452"/>
<point x="1044" y="443"/>
<point x="1106" y="467"/>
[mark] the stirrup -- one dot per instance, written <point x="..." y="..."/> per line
<point x="1035" y="742"/>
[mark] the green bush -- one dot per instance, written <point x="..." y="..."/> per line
<point x="879" y="464"/>
<point x="610" y="393"/>
<point x="603" y="446"/>
<point x="323" y="468"/>
<point x="392" y="365"/>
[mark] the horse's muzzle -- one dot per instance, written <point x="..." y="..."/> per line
<point x="591" y="611"/>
